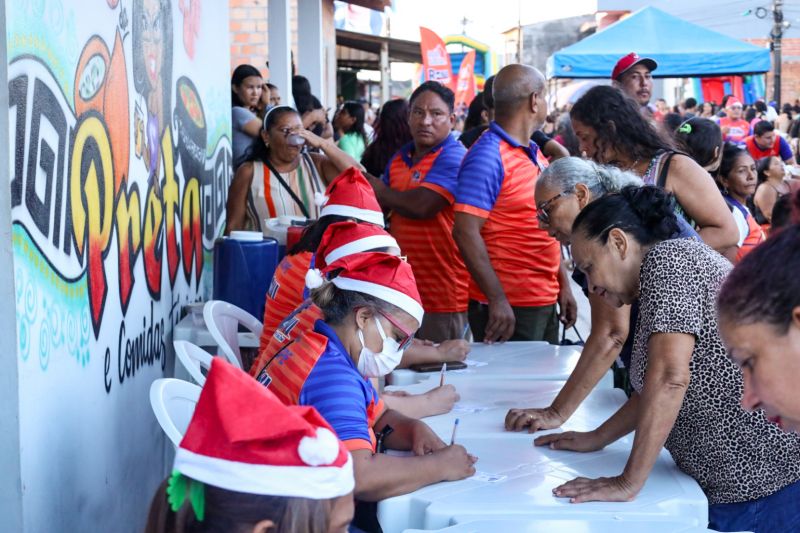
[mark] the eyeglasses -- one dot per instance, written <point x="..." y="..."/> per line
<point x="543" y="213"/>
<point x="288" y="131"/>
<point x="408" y="335"/>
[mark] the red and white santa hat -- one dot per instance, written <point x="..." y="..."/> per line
<point x="351" y="195"/>
<point x="346" y="238"/>
<point x="384" y="276"/>
<point x="242" y="438"/>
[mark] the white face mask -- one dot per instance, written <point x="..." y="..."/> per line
<point x="375" y="365"/>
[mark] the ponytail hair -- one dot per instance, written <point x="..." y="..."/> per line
<point x="567" y="172"/>
<point x="701" y="138"/>
<point x="647" y="213"/>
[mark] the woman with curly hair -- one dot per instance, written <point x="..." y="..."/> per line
<point x="611" y="130"/>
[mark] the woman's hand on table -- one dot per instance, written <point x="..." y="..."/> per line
<point x="424" y="440"/>
<point x="455" y="463"/>
<point x="603" y="489"/>
<point x="453" y="350"/>
<point x="441" y="399"/>
<point x="533" y="419"/>
<point x="576" y="441"/>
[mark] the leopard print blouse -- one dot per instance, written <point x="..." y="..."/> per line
<point x="734" y="455"/>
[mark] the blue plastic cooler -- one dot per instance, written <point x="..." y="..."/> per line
<point x="244" y="264"/>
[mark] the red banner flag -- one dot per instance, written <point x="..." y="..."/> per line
<point x="465" y="88"/>
<point x="435" y="59"/>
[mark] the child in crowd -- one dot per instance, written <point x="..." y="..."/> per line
<point x="701" y="138"/>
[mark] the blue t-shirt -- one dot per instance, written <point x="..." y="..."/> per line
<point x="345" y="398"/>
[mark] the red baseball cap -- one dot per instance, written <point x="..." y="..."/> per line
<point x="629" y="61"/>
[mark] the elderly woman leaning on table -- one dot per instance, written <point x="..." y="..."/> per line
<point x="563" y="190"/>
<point x="687" y="392"/>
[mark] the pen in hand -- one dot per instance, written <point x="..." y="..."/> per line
<point x="441" y="375"/>
<point x="455" y="427"/>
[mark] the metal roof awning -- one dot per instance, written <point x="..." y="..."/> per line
<point x="377" y="5"/>
<point x="362" y="51"/>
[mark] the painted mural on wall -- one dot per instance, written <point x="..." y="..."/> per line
<point x="120" y="161"/>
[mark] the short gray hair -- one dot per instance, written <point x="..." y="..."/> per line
<point x="567" y="172"/>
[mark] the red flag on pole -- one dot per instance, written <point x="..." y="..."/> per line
<point x="435" y="59"/>
<point x="465" y="87"/>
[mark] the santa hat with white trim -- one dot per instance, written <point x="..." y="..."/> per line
<point x="351" y="195"/>
<point x="242" y="438"/>
<point x="384" y="276"/>
<point x="346" y="238"/>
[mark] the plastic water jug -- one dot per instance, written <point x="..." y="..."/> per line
<point x="277" y="228"/>
<point x="244" y="264"/>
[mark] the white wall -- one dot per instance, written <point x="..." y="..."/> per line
<point x="106" y="247"/>
<point x="10" y="480"/>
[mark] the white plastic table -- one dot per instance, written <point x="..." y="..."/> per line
<point x="525" y="493"/>
<point x="533" y="525"/>
<point x="511" y="361"/>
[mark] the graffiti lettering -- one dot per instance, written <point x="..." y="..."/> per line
<point x="91" y="201"/>
<point x="145" y="348"/>
<point x="171" y="200"/>
<point x="129" y="234"/>
<point x="41" y="128"/>
<point x="113" y="181"/>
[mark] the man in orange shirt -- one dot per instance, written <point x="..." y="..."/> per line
<point x="418" y="186"/>
<point x="515" y="266"/>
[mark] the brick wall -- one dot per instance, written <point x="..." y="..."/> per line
<point x="790" y="69"/>
<point x="248" y="32"/>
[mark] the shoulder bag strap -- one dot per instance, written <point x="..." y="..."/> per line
<point x="662" y="174"/>
<point x="286" y="187"/>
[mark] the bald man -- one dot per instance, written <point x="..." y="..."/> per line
<point x="515" y="267"/>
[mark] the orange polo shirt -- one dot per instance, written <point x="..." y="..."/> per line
<point x="496" y="182"/>
<point x="438" y="268"/>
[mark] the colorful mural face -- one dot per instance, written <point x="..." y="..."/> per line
<point x="118" y="181"/>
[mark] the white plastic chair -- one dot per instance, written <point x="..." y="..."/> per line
<point x="194" y="359"/>
<point x="222" y="320"/>
<point x="173" y="402"/>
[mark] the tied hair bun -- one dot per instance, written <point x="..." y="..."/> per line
<point x="655" y="207"/>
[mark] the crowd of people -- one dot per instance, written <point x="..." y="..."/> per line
<point x="679" y="231"/>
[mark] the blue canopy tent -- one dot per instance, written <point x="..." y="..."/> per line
<point x="681" y="49"/>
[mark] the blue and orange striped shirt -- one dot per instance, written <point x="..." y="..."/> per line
<point x="317" y="370"/>
<point x="438" y="268"/>
<point x="496" y="182"/>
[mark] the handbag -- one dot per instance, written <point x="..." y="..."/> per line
<point x="569" y="342"/>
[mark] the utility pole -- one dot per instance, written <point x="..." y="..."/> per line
<point x="519" y="31"/>
<point x="776" y="35"/>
